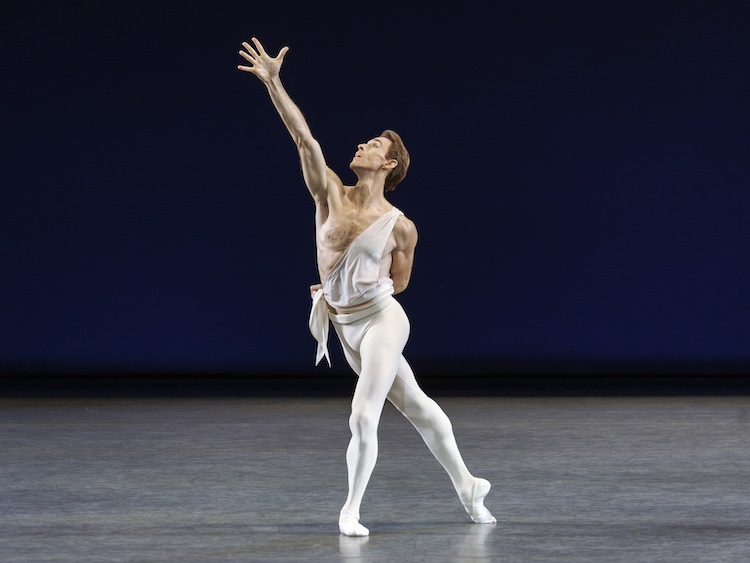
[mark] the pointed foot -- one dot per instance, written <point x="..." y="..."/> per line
<point x="475" y="505"/>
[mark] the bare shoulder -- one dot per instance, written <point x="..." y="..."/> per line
<point x="334" y="189"/>
<point x="332" y="176"/>
<point x="405" y="232"/>
<point x="333" y="181"/>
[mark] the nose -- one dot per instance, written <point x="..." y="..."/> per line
<point x="360" y="146"/>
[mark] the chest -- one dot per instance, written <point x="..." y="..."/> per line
<point x="338" y="234"/>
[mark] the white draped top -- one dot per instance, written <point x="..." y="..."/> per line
<point x="354" y="282"/>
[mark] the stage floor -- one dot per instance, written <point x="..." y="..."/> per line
<point x="262" y="479"/>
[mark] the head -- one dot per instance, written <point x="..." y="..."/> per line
<point x="397" y="151"/>
<point x="385" y="154"/>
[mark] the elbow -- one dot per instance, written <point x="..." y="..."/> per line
<point x="399" y="287"/>
<point x="401" y="278"/>
<point x="305" y="143"/>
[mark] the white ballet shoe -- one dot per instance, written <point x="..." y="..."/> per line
<point x="349" y="525"/>
<point x="475" y="506"/>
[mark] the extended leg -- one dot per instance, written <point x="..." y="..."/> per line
<point x="437" y="432"/>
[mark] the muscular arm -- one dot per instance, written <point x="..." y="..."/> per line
<point x="405" y="233"/>
<point x="267" y="69"/>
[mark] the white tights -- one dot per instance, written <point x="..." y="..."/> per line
<point x="373" y="347"/>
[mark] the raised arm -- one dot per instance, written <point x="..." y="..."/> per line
<point x="267" y="69"/>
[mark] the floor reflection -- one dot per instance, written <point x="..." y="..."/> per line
<point x="469" y="542"/>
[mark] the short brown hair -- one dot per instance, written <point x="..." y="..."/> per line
<point x="398" y="152"/>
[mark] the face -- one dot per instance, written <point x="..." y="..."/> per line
<point x="372" y="154"/>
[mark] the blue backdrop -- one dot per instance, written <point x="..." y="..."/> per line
<point x="579" y="180"/>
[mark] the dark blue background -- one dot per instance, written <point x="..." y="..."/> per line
<point x="579" y="180"/>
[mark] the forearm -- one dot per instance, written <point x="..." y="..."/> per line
<point x="290" y="114"/>
<point x="267" y="69"/>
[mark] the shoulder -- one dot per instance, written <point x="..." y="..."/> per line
<point x="331" y="176"/>
<point x="331" y="195"/>
<point x="334" y="186"/>
<point x="405" y="232"/>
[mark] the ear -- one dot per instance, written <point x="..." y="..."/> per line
<point x="390" y="164"/>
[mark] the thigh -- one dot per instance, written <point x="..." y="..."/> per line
<point x="380" y="354"/>
<point x="348" y="338"/>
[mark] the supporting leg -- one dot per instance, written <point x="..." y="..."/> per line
<point x="379" y="353"/>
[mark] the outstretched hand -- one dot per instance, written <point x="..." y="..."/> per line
<point x="262" y="65"/>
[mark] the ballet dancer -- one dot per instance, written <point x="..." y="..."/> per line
<point x="365" y="253"/>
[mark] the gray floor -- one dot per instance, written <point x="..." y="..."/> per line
<point x="216" y="479"/>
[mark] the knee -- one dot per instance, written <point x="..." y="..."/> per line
<point x="363" y="422"/>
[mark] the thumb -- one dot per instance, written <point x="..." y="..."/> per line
<point x="282" y="54"/>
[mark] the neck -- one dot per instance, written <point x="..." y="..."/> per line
<point x="368" y="191"/>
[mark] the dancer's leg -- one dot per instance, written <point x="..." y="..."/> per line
<point x="437" y="432"/>
<point x="379" y="352"/>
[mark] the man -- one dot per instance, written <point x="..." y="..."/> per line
<point x="365" y="252"/>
